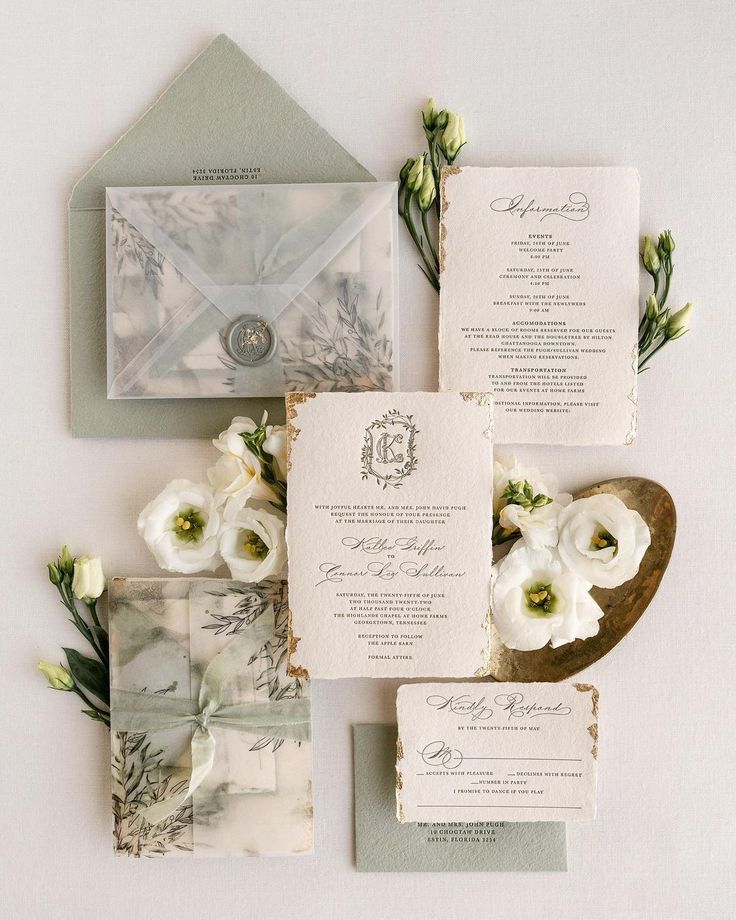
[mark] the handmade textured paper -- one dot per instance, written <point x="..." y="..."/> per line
<point x="389" y="533"/>
<point x="540" y="299"/>
<point x="256" y="800"/>
<point x="384" y="845"/>
<point x="485" y="752"/>
<point x="223" y="121"/>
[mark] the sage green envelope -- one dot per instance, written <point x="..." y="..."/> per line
<point x="222" y="121"/>
<point x="384" y="845"/>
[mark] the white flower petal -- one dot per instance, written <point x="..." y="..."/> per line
<point x="266" y="523"/>
<point x="155" y="525"/>
<point x="574" y="614"/>
<point x="609" y="566"/>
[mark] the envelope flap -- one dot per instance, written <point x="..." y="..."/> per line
<point x="271" y="239"/>
<point x="208" y="101"/>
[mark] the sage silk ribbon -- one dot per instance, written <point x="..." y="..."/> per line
<point x="133" y="711"/>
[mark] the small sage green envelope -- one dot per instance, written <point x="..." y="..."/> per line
<point x="223" y="121"/>
<point x="382" y="844"/>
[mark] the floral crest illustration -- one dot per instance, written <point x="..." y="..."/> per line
<point x="389" y="449"/>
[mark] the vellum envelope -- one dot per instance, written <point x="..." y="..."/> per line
<point x="250" y="290"/>
<point x="253" y="794"/>
<point x="195" y="133"/>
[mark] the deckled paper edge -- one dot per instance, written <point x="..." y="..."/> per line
<point x="485" y="400"/>
<point x="399" y="780"/>
<point x="634" y="397"/>
<point x="293" y="401"/>
<point x="592" y="729"/>
<point x="445" y="173"/>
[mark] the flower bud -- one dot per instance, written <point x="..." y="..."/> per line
<point x="429" y="115"/>
<point x="57" y="676"/>
<point x="428" y="191"/>
<point x="441" y="119"/>
<point x="89" y="579"/>
<point x="453" y="137"/>
<point x="650" y="257"/>
<point x="679" y="322"/>
<point x="416" y="175"/>
<point x="652" y="311"/>
<point x="65" y="563"/>
<point x="55" y="576"/>
<point x="666" y="243"/>
<point x="404" y="174"/>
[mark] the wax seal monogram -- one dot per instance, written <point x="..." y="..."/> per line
<point x="251" y="340"/>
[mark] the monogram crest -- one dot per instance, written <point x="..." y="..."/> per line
<point x="389" y="449"/>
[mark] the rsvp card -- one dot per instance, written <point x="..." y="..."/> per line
<point x="389" y="533"/>
<point x="508" y="752"/>
<point x="384" y="845"/>
<point x="540" y="299"/>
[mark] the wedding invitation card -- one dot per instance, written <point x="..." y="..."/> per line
<point x="389" y="533"/>
<point x="384" y="845"/>
<point x="539" y="300"/>
<point x="509" y="752"/>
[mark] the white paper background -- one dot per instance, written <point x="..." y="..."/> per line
<point x="621" y="82"/>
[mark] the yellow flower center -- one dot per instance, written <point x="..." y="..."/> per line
<point x="540" y="600"/>
<point x="188" y="525"/>
<point x="602" y="540"/>
<point x="254" y="546"/>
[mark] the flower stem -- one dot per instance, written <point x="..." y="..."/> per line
<point x="408" y="220"/>
<point x="667" y="276"/>
<point x="501" y="535"/>
<point x="434" y="160"/>
<point x="67" y="600"/>
<point x="104" y="716"/>
<point x="428" y="237"/>
<point x="644" y="361"/>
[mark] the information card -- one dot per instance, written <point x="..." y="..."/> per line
<point x="540" y="299"/>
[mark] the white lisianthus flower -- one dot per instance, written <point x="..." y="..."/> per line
<point x="230" y="441"/>
<point x="507" y="469"/>
<point x="238" y="472"/>
<point x="602" y="540"/>
<point x="88" y="582"/>
<point x="253" y="541"/>
<point x="180" y="527"/>
<point x="275" y="446"/>
<point x="538" y="526"/>
<point x="537" y="601"/>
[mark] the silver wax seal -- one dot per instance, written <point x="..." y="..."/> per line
<point x="251" y="340"/>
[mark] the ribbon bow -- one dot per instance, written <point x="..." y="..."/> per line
<point x="134" y="711"/>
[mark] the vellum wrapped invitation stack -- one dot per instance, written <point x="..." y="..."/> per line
<point x="211" y="749"/>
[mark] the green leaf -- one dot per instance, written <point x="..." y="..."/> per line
<point x="89" y="673"/>
<point x="103" y="640"/>
<point x="92" y="714"/>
